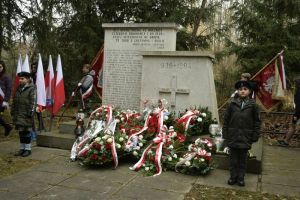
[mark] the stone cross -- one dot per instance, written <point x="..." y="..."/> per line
<point x="174" y="90"/>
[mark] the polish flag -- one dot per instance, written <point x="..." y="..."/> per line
<point x="49" y="85"/>
<point x="40" y="85"/>
<point x="25" y="66"/>
<point x="19" y="69"/>
<point x="59" y="91"/>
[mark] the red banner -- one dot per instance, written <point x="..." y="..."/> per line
<point x="267" y="84"/>
<point x="97" y="66"/>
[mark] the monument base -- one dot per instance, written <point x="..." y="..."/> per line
<point x="254" y="164"/>
<point x="62" y="138"/>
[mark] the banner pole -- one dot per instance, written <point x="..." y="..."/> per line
<point x="267" y="64"/>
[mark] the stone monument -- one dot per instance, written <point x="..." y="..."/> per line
<point x="123" y="44"/>
<point x="184" y="78"/>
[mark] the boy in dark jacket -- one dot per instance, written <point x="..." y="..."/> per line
<point x="22" y="110"/>
<point x="241" y="128"/>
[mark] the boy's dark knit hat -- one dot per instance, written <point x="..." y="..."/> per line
<point x="24" y="74"/>
<point x="240" y="84"/>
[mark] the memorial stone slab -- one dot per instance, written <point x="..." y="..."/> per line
<point x="184" y="78"/>
<point x="122" y="71"/>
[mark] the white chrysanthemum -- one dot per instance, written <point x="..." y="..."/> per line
<point x="166" y="117"/>
<point x="175" y="155"/>
<point x="141" y="137"/>
<point x="190" y="147"/>
<point x="187" y="163"/>
<point x="150" y="152"/>
<point x="105" y="137"/>
<point x="109" y="140"/>
<point x="137" y="148"/>
<point x="135" y="153"/>
<point x="121" y="139"/>
<point x="126" y="137"/>
<point x="180" y="159"/>
<point x="202" y="159"/>
<point x="141" y="144"/>
<point x="199" y="119"/>
<point x="147" y="168"/>
<point x="171" y="147"/>
<point x="174" y="134"/>
<point x="118" y="146"/>
<point x="101" y="142"/>
<point x="170" y="159"/>
<point x="203" y="114"/>
<point x="98" y="139"/>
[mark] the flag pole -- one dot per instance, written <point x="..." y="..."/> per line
<point x="255" y="75"/>
<point x="267" y="64"/>
<point x="67" y="106"/>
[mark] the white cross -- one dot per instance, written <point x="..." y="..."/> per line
<point x="174" y="90"/>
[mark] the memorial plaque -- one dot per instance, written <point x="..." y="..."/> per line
<point x="123" y="46"/>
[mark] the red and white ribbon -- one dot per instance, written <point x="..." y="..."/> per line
<point x="186" y="118"/>
<point x="159" y="140"/>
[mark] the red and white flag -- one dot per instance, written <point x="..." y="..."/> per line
<point x="25" y="66"/>
<point x="59" y="91"/>
<point x="97" y="66"/>
<point x="271" y="83"/>
<point x="49" y="85"/>
<point x="40" y="85"/>
<point x="19" y="69"/>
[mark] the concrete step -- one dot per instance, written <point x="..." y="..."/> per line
<point x="69" y="126"/>
<point x="55" y="139"/>
<point x="254" y="165"/>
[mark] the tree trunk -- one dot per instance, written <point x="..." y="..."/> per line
<point x="197" y="23"/>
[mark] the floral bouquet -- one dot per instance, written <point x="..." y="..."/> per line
<point x="193" y="122"/>
<point x="160" y="153"/>
<point x="198" y="160"/>
<point x="105" y="147"/>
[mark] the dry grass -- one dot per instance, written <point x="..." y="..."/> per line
<point x="10" y="165"/>
<point x="202" y="192"/>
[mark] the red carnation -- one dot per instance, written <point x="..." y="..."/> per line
<point x="107" y="146"/>
<point x="181" y="137"/>
<point x="152" y="158"/>
<point x="94" y="157"/>
<point x="103" y="158"/>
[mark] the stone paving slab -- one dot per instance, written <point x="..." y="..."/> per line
<point x="281" y="171"/>
<point x="167" y="181"/>
<point x="65" y="193"/>
<point x="218" y="178"/>
<point x="281" y="189"/>
<point x="138" y="192"/>
<point x="25" y="187"/>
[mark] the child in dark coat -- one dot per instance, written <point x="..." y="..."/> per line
<point x="241" y="128"/>
<point x="22" y="110"/>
